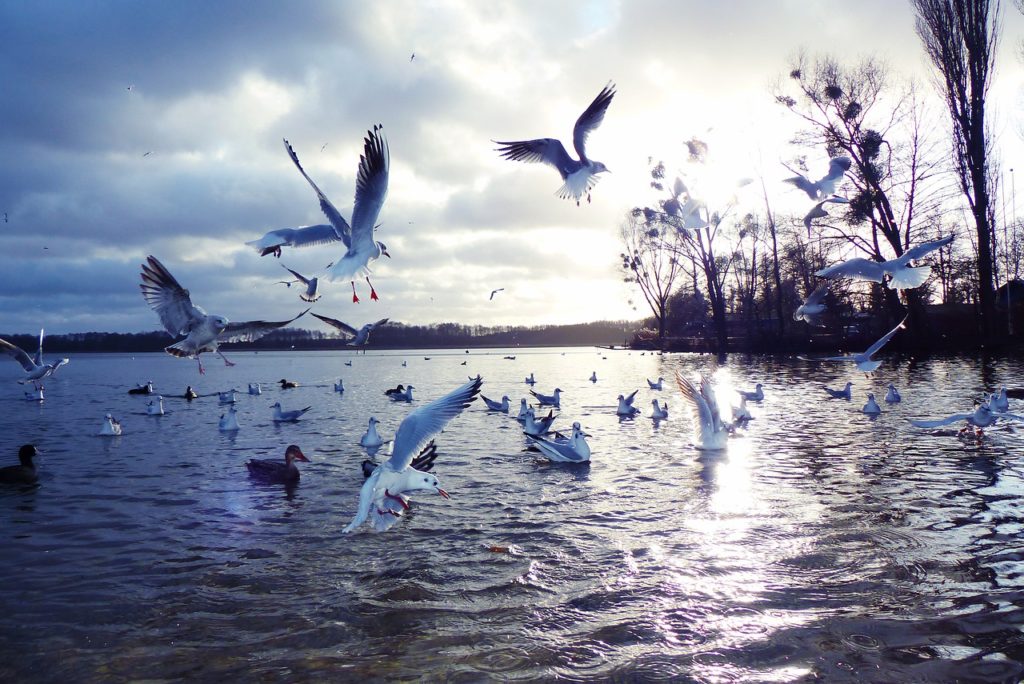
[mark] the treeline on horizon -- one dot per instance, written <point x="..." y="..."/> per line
<point x="390" y="336"/>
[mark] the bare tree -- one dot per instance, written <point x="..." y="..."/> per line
<point x="959" y="37"/>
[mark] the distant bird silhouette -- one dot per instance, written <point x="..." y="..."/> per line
<point x="826" y="185"/>
<point x="494" y="292"/>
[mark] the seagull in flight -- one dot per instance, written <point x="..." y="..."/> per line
<point x="710" y="431"/>
<point x="34" y="367"/>
<point x="382" y="498"/>
<point x="982" y="417"/>
<point x="371" y="189"/>
<point x="818" y="211"/>
<point x="826" y="185"/>
<point x="203" y="332"/>
<point x="901" y="275"/>
<point x="359" y="337"/>
<point x="864" y="361"/>
<point x="311" y="293"/>
<point x="813" y="309"/>
<point x="580" y="176"/>
<point x="494" y="292"/>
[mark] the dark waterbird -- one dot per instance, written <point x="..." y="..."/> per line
<point x="267" y="470"/>
<point x="25" y="473"/>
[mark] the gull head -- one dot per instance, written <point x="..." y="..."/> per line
<point x="598" y="167"/>
<point x="416" y="480"/>
<point x="219" y="322"/>
<point x="383" y="249"/>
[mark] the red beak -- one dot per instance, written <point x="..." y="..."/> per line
<point x="443" y="493"/>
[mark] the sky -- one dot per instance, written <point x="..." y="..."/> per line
<point x="129" y="129"/>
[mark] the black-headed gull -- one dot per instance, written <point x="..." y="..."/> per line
<point x="813" y="309"/>
<point x="864" y="361"/>
<point x="818" y="211"/>
<point x="255" y="389"/>
<point x="1002" y="401"/>
<point x="826" y="185"/>
<point x="371" y="439"/>
<point x="523" y="408"/>
<point x="383" y="496"/>
<point x="902" y="276"/>
<point x="228" y="421"/>
<point x="111" y="426"/>
<point x="530" y="380"/>
<point x="25" y="471"/>
<point x="741" y="413"/>
<point x="226" y="397"/>
<point x="982" y="417"/>
<point x="844" y="393"/>
<point x="403" y="396"/>
<point x="573" y="449"/>
<point x="203" y="332"/>
<point x="871" y="407"/>
<point x="312" y="292"/>
<point x="553" y="399"/>
<point x="710" y="432"/>
<point x="34" y="367"/>
<point x="537" y="426"/>
<point x="659" y="412"/>
<point x="580" y="176"/>
<point x="501" y="406"/>
<point x="757" y="394"/>
<point x="357" y="338"/>
<point x="625" y="406"/>
<point x="655" y="385"/>
<point x="892" y="395"/>
<point x="287" y="416"/>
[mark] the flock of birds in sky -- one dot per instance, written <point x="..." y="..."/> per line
<point x="385" y="495"/>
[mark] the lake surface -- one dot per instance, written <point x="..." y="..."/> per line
<point x="820" y="545"/>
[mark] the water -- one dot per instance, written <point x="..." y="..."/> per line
<point x="822" y="544"/>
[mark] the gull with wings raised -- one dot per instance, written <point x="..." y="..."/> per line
<point x="902" y="276"/>
<point x="34" y="367"/>
<point x="358" y="338"/>
<point x="864" y="361"/>
<point x="826" y="185"/>
<point x="203" y="332"/>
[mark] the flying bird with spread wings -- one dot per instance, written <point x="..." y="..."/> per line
<point x="358" y="338"/>
<point x="179" y="316"/>
<point x="902" y="276"/>
<point x="826" y="185"/>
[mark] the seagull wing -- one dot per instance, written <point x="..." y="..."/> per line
<point x="19" y="355"/>
<point x="590" y="119"/>
<point x="425" y="461"/>
<point x="371" y="188"/>
<point x="426" y="421"/>
<point x="837" y="166"/>
<point x="707" y="392"/>
<point x="695" y="396"/>
<point x="555" y="451"/>
<point x="920" y="251"/>
<point x="340" y="227"/>
<point x="305" y="236"/>
<point x="249" y="331"/>
<point x="168" y="298"/>
<point x="802" y="183"/>
<point x="543" y="150"/>
<point x="38" y="360"/>
<point x="343" y="327"/>
<point x="857" y="269"/>
<point x="631" y="397"/>
<point x="380" y="322"/>
<point x="944" y="421"/>
<point x="885" y="338"/>
<point x="303" y="279"/>
<point x="365" y="500"/>
<point x="818" y="296"/>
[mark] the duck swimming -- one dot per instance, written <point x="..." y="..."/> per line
<point x="274" y="471"/>
<point x="394" y="390"/>
<point x="190" y="393"/>
<point x="288" y="384"/>
<point x="25" y="473"/>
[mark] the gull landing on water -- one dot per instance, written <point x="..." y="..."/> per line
<point x="34" y="367"/>
<point x="579" y="176"/>
<point x="710" y="432"/>
<point x="864" y="361"/>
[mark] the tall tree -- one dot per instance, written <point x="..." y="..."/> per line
<point x="959" y="37"/>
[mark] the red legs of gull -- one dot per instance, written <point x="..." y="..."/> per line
<point x="398" y="498"/>
<point x="355" y="297"/>
<point x="226" y="362"/>
<point x="202" y="371"/>
<point x="373" y="293"/>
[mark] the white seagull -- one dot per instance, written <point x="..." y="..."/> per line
<point x="226" y="397"/>
<point x="625" y="407"/>
<point x="155" y="407"/>
<point x="756" y="395"/>
<point x="311" y="293"/>
<point x="572" y="450"/>
<point x="826" y="185"/>
<point x="371" y="189"/>
<point x="813" y="309"/>
<point x="255" y="389"/>
<point x="530" y="380"/>
<point x="844" y="393"/>
<point x="982" y="417"/>
<point x="741" y="413"/>
<point x="710" y="431"/>
<point x="203" y="332"/>
<point x="892" y="395"/>
<point x="34" y="367"/>
<point x="537" y="426"/>
<point x="579" y="176"/>
<point x="229" y="421"/>
<point x="871" y="407"/>
<point x="382" y="497"/>
<point x="554" y="399"/>
<point x="111" y="426"/>
<point x="1002" y="401"/>
<point x="405" y="395"/>
<point x="287" y="416"/>
<point x="357" y="338"/>
<point x="655" y="385"/>
<point x="371" y="439"/>
<point x="659" y="412"/>
<point x="864" y="361"/>
<point x="902" y="276"/>
<point x="523" y="408"/>
<point x="818" y="211"/>
<point x="492" y="405"/>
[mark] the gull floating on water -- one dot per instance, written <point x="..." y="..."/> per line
<point x="529" y="380"/>
<point x="537" y="426"/>
<point x="255" y="389"/>
<point x="710" y="431"/>
<point x="142" y="389"/>
<point x="227" y="397"/>
<point x="229" y="421"/>
<point x="655" y="385"/>
<point x="756" y="395"/>
<point x="813" y="309"/>
<point x="741" y="413"/>
<point x="287" y="416"/>
<point x="340" y="385"/>
<point x="155" y="407"/>
<point x="625" y="406"/>
<point x="826" y="185"/>
<point x="579" y="176"/>
<point x="383" y="496"/>
<point x="572" y="450"/>
<point x="901" y="275"/>
<point x="892" y="395"/>
<point x="357" y="338"/>
<point x="273" y="471"/>
<point x="111" y="426"/>
<point x="311" y="293"/>
<point x="844" y="393"/>
<point x="371" y="439"/>
<point x="34" y="367"/>
<point x="658" y="412"/>
<point x="864" y="361"/>
<point x="871" y="407"/>
<point x="203" y="332"/>
<point x="1002" y="402"/>
<point x="593" y="377"/>
<point x="371" y="189"/>
<point x="403" y="396"/>
<point x="492" y="405"/>
<point x="554" y="399"/>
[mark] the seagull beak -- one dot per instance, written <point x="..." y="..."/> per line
<point x="443" y="493"/>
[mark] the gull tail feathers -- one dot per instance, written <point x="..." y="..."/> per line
<point x="183" y="350"/>
<point x="909" y="278"/>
